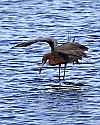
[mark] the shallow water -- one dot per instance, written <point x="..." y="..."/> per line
<point x="32" y="99"/>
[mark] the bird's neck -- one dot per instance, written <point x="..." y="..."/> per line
<point x="52" y="49"/>
<point x="51" y="44"/>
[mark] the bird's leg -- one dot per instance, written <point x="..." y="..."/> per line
<point x="77" y="61"/>
<point x="64" y="71"/>
<point x="59" y="71"/>
<point x="41" y="68"/>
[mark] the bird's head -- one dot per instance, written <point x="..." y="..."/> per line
<point x="44" y="60"/>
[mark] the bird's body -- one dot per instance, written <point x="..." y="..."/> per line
<point x="56" y="58"/>
<point x="69" y="52"/>
<point x="53" y="59"/>
<point x="71" y="46"/>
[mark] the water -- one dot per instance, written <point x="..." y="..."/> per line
<point x="32" y="99"/>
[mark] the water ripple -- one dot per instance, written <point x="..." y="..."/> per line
<point x="29" y="98"/>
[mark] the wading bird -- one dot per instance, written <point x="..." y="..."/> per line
<point x="69" y="52"/>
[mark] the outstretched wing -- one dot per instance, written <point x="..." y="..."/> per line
<point x="24" y="44"/>
<point x="48" y="40"/>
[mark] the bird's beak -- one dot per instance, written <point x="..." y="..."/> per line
<point x="43" y="62"/>
<point x="41" y="68"/>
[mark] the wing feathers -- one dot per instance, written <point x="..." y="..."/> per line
<point x="51" y="41"/>
<point x="72" y="55"/>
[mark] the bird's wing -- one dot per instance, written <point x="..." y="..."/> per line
<point x="30" y="42"/>
<point x="72" y="46"/>
<point x="72" y="54"/>
<point x="24" y="44"/>
<point x="80" y="46"/>
<point x="67" y="46"/>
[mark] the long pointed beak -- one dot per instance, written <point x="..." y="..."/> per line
<point x="41" y="68"/>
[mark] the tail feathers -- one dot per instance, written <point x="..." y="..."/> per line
<point x="83" y="47"/>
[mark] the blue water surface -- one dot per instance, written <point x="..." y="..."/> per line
<point x="27" y="98"/>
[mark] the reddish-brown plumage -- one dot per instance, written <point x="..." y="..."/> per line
<point x="53" y="59"/>
<point x="69" y="52"/>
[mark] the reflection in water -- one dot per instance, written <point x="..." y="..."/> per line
<point x="65" y="106"/>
